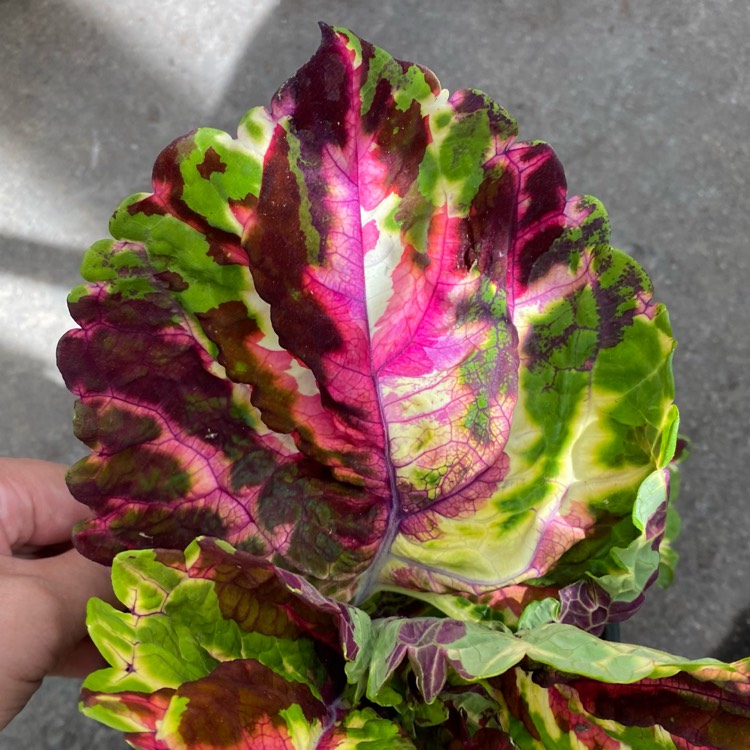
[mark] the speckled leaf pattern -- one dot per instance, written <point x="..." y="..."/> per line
<point x="372" y="340"/>
<point x="219" y="649"/>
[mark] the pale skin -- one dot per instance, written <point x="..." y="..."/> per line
<point x="44" y="583"/>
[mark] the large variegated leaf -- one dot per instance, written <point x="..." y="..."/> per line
<point x="370" y="339"/>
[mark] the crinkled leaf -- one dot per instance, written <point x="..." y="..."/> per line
<point x="538" y="613"/>
<point x="557" y="686"/>
<point x="435" y="648"/>
<point x="371" y="340"/>
<point x="217" y="648"/>
<point x="363" y="729"/>
<point x="669" y="557"/>
<point x="188" y="612"/>
<point x="238" y="705"/>
<point x="706" y="708"/>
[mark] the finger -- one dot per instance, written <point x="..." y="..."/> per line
<point x="43" y="620"/>
<point x="74" y="579"/>
<point x="45" y="606"/>
<point x="81" y="661"/>
<point x="36" y="508"/>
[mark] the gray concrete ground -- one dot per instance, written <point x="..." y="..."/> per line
<point x="646" y="103"/>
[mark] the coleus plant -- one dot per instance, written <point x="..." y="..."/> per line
<point x="381" y="435"/>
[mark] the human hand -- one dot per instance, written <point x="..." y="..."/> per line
<point x="44" y="583"/>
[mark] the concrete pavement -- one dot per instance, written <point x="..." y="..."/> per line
<point x="647" y="105"/>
